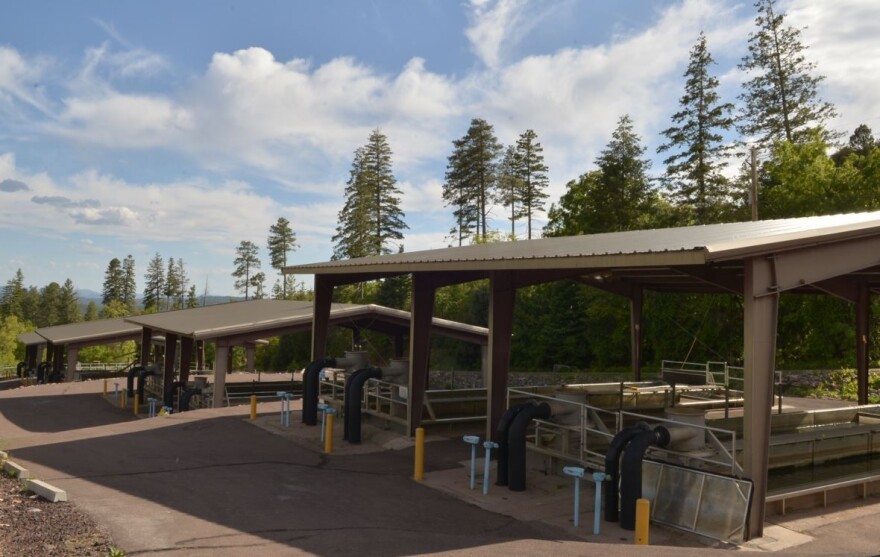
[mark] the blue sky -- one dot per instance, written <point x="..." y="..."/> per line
<point x="185" y="127"/>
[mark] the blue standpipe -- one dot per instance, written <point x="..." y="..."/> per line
<point x="598" y="477"/>
<point x="285" y="407"/>
<point x="473" y="441"/>
<point x="489" y="446"/>
<point x="323" y="407"/>
<point x="577" y="473"/>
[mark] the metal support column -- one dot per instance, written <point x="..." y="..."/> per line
<point x="186" y="351"/>
<point x="863" y="340"/>
<point x="635" y="332"/>
<point x="146" y="344"/>
<point x="501" y="302"/>
<point x="170" y="357"/>
<point x="321" y="319"/>
<point x="221" y="360"/>
<point x="423" y="290"/>
<point x="72" y="353"/>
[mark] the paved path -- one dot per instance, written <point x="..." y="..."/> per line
<point x="212" y="483"/>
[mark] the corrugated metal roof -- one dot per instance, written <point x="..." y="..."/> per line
<point x="692" y="245"/>
<point x="256" y="316"/>
<point x="29" y="339"/>
<point x="89" y="331"/>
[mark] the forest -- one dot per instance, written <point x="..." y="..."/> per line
<point x="802" y="169"/>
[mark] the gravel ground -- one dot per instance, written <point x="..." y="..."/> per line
<point x="33" y="527"/>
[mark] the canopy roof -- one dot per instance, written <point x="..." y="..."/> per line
<point x="101" y="331"/>
<point x="693" y="258"/>
<point x="30" y="339"/>
<point x="265" y="318"/>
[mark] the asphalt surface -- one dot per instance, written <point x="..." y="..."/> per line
<point x="209" y="482"/>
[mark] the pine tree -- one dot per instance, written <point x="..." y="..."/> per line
<point x="471" y="179"/>
<point x="693" y="172"/>
<point x="781" y="100"/>
<point x="246" y="265"/>
<point x="183" y="280"/>
<point x="129" y="289"/>
<point x="13" y="297"/>
<point x="68" y="305"/>
<point x="371" y="219"/>
<point x="258" y="283"/>
<point x="282" y="240"/>
<point x="172" y="284"/>
<point x="509" y="186"/>
<point x="91" y="312"/>
<point x="154" y="283"/>
<point x="192" y="300"/>
<point x="48" y="311"/>
<point x="114" y="282"/>
<point x="531" y="172"/>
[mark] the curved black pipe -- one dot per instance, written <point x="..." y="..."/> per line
<point x="612" y="467"/>
<point x="631" y="472"/>
<point x="503" y="432"/>
<point x="168" y="395"/>
<point x="19" y="369"/>
<point x="42" y="371"/>
<point x="516" y="456"/>
<point x="142" y="378"/>
<point x="129" y="383"/>
<point x="311" y="387"/>
<point x="353" y="400"/>
<point x="186" y="395"/>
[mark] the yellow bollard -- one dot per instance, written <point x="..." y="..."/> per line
<point x="253" y="407"/>
<point x="136" y="405"/>
<point x="643" y="521"/>
<point x="122" y="400"/>
<point x="328" y="434"/>
<point x="105" y="388"/>
<point x="419" y="471"/>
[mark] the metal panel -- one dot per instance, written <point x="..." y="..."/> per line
<point x="704" y="503"/>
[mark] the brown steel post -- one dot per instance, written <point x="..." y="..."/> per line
<point x="419" y="347"/>
<point x="200" y="354"/>
<point x="321" y="316"/>
<point x="501" y="302"/>
<point x="863" y="340"/>
<point x="761" y="303"/>
<point x="146" y="344"/>
<point x="170" y="357"/>
<point x="186" y="350"/>
<point x="399" y="346"/>
<point x="635" y="332"/>
<point x="58" y="358"/>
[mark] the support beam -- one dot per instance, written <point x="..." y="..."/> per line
<point x="863" y="340"/>
<point x="72" y="353"/>
<point x="58" y="358"/>
<point x="250" y="357"/>
<point x="170" y="357"/>
<point x="186" y="352"/>
<point x="635" y="331"/>
<point x="760" y="316"/>
<point x="200" y="354"/>
<point x="423" y="290"/>
<point x="321" y="319"/>
<point x="399" y="346"/>
<point x="221" y="362"/>
<point x="32" y="356"/>
<point x="146" y="344"/>
<point x="501" y="302"/>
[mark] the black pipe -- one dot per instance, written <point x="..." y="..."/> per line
<point x="129" y="384"/>
<point x="19" y="369"/>
<point x="311" y="387"/>
<point x="612" y="467"/>
<point x="516" y="457"/>
<point x="353" y="400"/>
<point x="631" y="472"/>
<point x="185" y="397"/>
<point x="503" y="432"/>
<point x="42" y="370"/>
<point x="168" y="395"/>
<point x="142" y="378"/>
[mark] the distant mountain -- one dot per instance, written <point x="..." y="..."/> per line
<point x="84" y="296"/>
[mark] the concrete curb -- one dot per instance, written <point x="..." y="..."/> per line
<point x="16" y="470"/>
<point x="46" y="491"/>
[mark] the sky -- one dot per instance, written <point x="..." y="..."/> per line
<point x="184" y="128"/>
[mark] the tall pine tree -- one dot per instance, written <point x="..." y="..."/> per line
<point x="114" y="282"/>
<point x="281" y="241"/>
<point x="472" y="178"/>
<point x="371" y="219"/>
<point x="693" y="171"/>
<point x="531" y="172"/>
<point x="129" y="289"/>
<point x="781" y="100"/>
<point x="154" y="284"/>
<point x="247" y="264"/>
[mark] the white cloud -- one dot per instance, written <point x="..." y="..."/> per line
<point x="17" y="78"/>
<point x="492" y="24"/>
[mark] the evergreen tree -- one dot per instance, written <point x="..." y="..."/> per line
<point x="509" y="186"/>
<point x="183" y="284"/>
<point x="282" y="240"/>
<point x="371" y="218"/>
<point x="114" y="282"/>
<point x="531" y="173"/>
<point x="192" y="300"/>
<point x="781" y="96"/>
<point x="861" y="143"/>
<point x="693" y="173"/>
<point x="154" y="283"/>
<point x="258" y="283"/>
<point x="172" y="284"/>
<point x="246" y="265"/>
<point x="68" y="305"/>
<point x="48" y="312"/>
<point x="129" y="289"/>
<point x="617" y="196"/>
<point x="13" y="297"/>
<point x="471" y="179"/>
<point x="91" y="312"/>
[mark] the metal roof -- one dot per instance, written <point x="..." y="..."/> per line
<point x="30" y="339"/>
<point x="691" y="245"/>
<point x="91" y="332"/>
<point x="271" y="317"/>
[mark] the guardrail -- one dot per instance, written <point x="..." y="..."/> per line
<point x="8" y="371"/>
